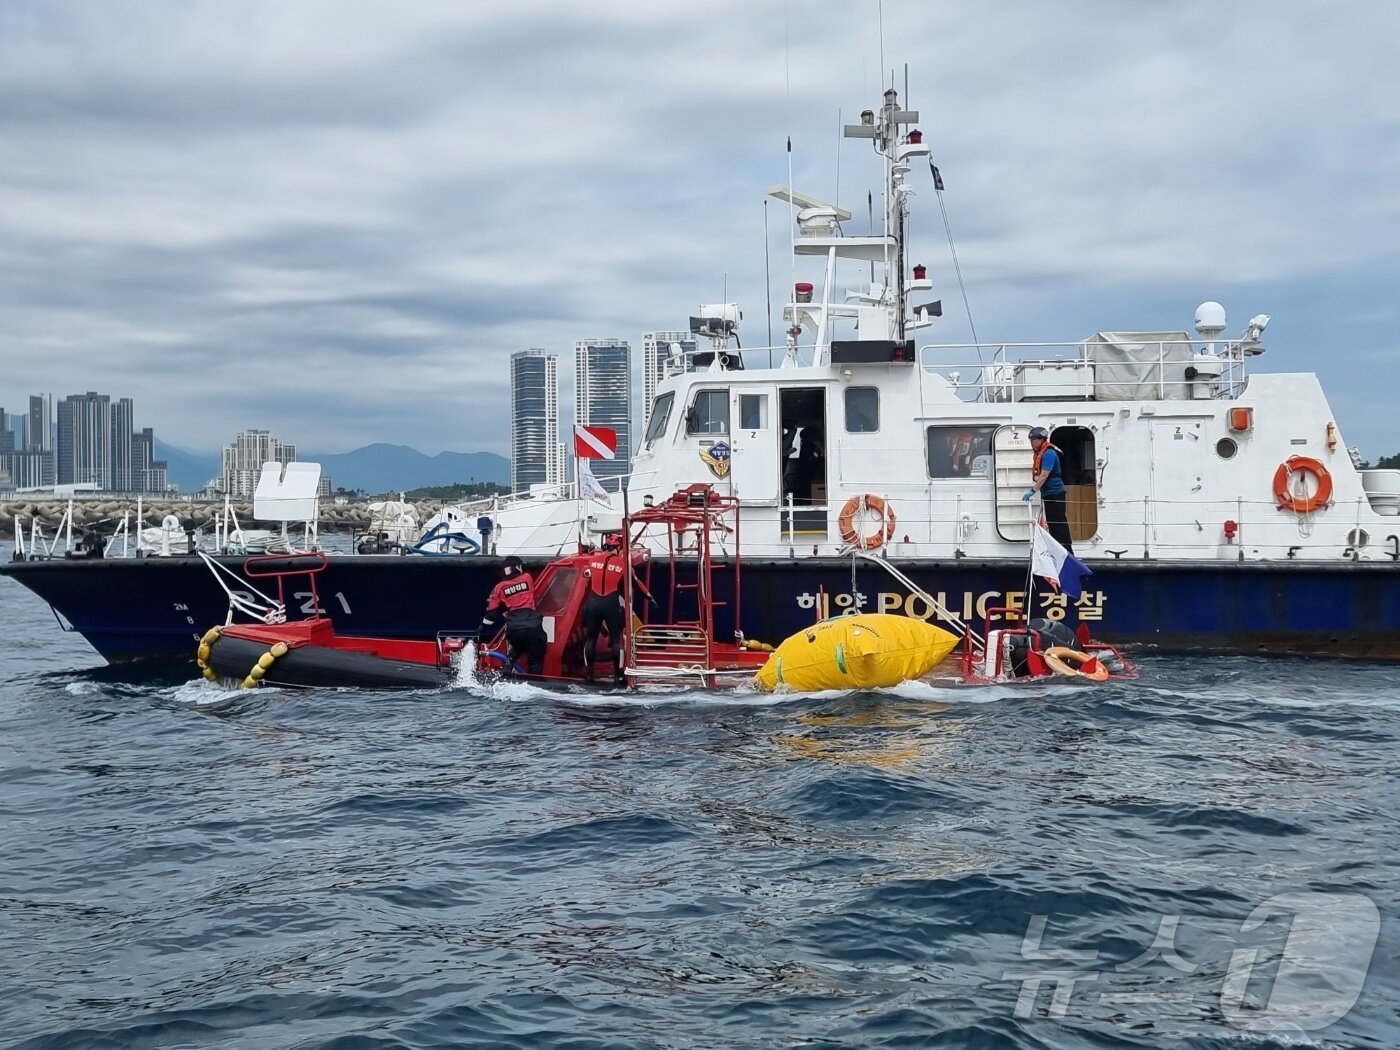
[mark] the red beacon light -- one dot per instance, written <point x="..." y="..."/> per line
<point x="916" y="137"/>
<point x="1232" y="529"/>
<point x="920" y="273"/>
<point x="802" y="291"/>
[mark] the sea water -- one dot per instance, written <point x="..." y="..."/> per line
<point x="1204" y="857"/>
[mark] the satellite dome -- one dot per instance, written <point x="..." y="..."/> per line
<point x="1210" y="319"/>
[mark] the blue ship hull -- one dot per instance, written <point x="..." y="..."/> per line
<point x="158" y="607"/>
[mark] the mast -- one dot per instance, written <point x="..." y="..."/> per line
<point x="894" y="144"/>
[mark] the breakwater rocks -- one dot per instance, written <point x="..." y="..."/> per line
<point x="106" y="514"/>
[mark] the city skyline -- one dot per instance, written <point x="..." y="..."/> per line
<point x="91" y="444"/>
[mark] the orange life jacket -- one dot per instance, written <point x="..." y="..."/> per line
<point x="1035" y="464"/>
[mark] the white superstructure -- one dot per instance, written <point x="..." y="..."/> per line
<point x="1172" y="447"/>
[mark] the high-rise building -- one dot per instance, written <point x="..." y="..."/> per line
<point x="40" y="428"/>
<point x="148" y="474"/>
<point x="85" y="440"/>
<point x="31" y="464"/>
<point x="120" y="477"/>
<point x="31" y="470"/>
<point x="243" y="459"/>
<point x="656" y="351"/>
<point x="603" y="397"/>
<point x="19" y="429"/>
<point x="7" y="450"/>
<point x="534" y="420"/>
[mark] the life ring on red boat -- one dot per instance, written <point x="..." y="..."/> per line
<point x="1072" y="663"/>
<point x="1302" y="504"/>
<point x="858" y="504"/>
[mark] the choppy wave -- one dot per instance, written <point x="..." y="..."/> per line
<point x="499" y="864"/>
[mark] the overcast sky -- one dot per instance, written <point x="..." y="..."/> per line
<point x="336" y="218"/>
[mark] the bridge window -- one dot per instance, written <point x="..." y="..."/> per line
<point x="862" y="409"/>
<point x="709" y="414"/>
<point x="660" y="416"/>
<point x="960" y="452"/>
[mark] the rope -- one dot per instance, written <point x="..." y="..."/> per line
<point x="957" y="269"/>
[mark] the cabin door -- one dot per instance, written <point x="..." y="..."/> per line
<point x="1011" y="467"/>
<point x="755" y="469"/>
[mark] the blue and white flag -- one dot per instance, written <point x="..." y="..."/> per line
<point x="1059" y="566"/>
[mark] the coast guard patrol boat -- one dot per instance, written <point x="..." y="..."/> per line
<point x="1218" y="507"/>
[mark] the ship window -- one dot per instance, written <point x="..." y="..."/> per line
<point x="1226" y="448"/>
<point x="862" y="409"/>
<point x="554" y="601"/>
<point x="960" y="452"/>
<point x="709" y="414"/>
<point x="660" y="416"/>
<point x="753" y="411"/>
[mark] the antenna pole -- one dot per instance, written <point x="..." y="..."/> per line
<point x="870" y="217"/>
<point x="792" y="221"/>
<point x="839" y="125"/>
<point x="787" y="87"/>
<point x="880" y="17"/>
<point x="768" y="281"/>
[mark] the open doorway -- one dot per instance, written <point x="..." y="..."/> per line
<point x="802" y="460"/>
<point x="1079" y="473"/>
<point x="803" y="449"/>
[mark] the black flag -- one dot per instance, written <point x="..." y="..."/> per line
<point x="937" y="175"/>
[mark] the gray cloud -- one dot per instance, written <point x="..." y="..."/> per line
<point x="338" y="219"/>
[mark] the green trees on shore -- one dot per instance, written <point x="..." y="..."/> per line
<point x="473" y="490"/>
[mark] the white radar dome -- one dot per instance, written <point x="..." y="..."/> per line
<point x="1210" y="319"/>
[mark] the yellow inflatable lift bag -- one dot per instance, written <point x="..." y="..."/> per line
<point x="857" y="652"/>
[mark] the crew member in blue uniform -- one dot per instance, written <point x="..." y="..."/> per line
<point x="513" y="601"/>
<point x="1046" y="479"/>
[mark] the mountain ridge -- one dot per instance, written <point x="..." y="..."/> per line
<point x="376" y="467"/>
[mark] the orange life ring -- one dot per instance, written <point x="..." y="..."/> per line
<point x="1058" y="658"/>
<point x="853" y="506"/>
<point x="1302" y="504"/>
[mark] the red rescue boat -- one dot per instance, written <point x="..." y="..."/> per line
<point x="674" y="642"/>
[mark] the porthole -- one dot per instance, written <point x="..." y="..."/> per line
<point x="1226" y="448"/>
<point x="1358" y="537"/>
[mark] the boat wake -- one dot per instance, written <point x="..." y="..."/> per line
<point x="200" y="694"/>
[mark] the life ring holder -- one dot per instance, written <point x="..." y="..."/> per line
<point x="1058" y="658"/>
<point x="859" y="504"/>
<point x="1302" y="504"/>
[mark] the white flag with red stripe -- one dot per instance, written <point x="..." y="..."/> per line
<point x="592" y="442"/>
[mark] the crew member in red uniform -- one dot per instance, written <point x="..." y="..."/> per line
<point x="513" y="600"/>
<point x="606" y="604"/>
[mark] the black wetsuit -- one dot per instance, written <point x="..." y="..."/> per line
<point x="513" y="600"/>
<point x="604" y="608"/>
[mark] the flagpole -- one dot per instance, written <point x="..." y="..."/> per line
<point x="622" y="647"/>
<point x="1030" y="569"/>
